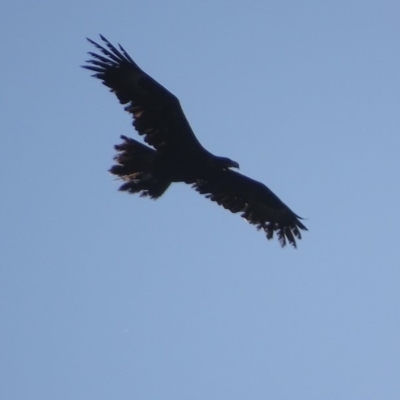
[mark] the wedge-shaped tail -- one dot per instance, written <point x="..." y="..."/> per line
<point x="134" y="162"/>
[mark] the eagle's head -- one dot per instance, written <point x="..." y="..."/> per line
<point x="226" y="163"/>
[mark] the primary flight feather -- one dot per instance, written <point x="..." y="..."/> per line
<point x="176" y="155"/>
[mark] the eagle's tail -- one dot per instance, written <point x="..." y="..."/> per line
<point x="134" y="162"/>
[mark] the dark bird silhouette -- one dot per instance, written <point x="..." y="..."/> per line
<point x="176" y="155"/>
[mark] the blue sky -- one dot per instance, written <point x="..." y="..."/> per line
<point x="105" y="295"/>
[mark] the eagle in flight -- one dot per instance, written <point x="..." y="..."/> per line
<point x="174" y="154"/>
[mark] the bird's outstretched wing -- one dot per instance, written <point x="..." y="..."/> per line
<point x="256" y="203"/>
<point x="157" y="113"/>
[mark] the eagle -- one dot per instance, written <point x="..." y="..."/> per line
<point x="172" y="152"/>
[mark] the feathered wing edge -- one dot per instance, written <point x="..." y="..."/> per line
<point x="256" y="202"/>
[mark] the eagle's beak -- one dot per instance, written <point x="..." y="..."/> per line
<point x="235" y="165"/>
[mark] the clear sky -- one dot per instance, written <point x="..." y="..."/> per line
<point x="109" y="296"/>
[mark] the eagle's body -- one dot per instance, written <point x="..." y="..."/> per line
<point x="176" y="155"/>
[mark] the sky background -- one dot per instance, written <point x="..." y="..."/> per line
<point x="105" y="295"/>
